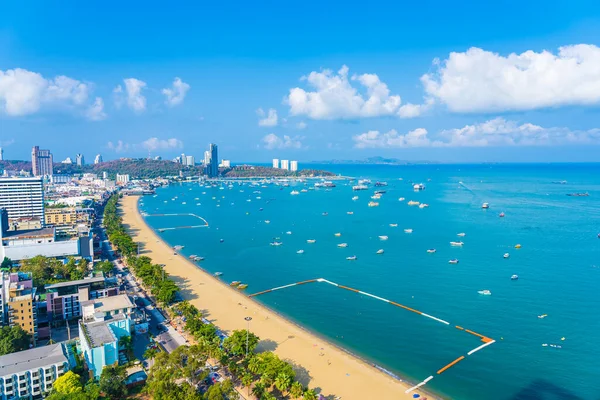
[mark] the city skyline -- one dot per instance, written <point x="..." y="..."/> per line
<point x="476" y="94"/>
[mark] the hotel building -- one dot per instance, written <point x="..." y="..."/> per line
<point x="275" y="163"/>
<point x="41" y="162"/>
<point x="293" y="165"/>
<point x="285" y="164"/>
<point x="22" y="197"/>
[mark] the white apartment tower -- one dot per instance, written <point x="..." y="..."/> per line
<point x="285" y="164"/>
<point x="98" y="159"/>
<point x="22" y="197"/>
<point x="275" y="163"/>
<point x="293" y="165"/>
<point x="123" y="179"/>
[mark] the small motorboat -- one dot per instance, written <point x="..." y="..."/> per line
<point x="235" y="283"/>
<point x="222" y="240"/>
<point x="300" y="252"/>
<point x="506" y="255"/>
<point x="393" y="225"/>
<point x="351" y="258"/>
<point x="350" y="212"/>
<point x="423" y="205"/>
<point x="343" y="245"/>
<point x="380" y="251"/>
<point x="453" y="261"/>
<point x="431" y="250"/>
<point x="373" y="204"/>
<point x="267" y="222"/>
<point x="501" y="215"/>
<point x="458" y="244"/>
<point x="325" y="214"/>
<point x="276" y="243"/>
<point x="337" y="234"/>
<point x="355" y="198"/>
<point x="485" y="206"/>
<point x="485" y="292"/>
<point x="462" y="234"/>
<point x="295" y="193"/>
<point x="311" y="241"/>
<point x="242" y="286"/>
<point x="383" y="237"/>
<point x="288" y="233"/>
<point x="542" y="316"/>
<point x="517" y="246"/>
<point x="514" y="277"/>
<point x="401" y="199"/>
<point x="218" y="273"/>
<point x="408" y="231"/>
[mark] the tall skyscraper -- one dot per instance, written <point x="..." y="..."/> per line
<point x="189" y="160"/>
<point x="206" y="158"/>
<point x="1" y="154"/>
<point x="98" y="159"/>
<point x="285" y="164"/>
<point x="214" y="161"/>
<point x="41" y="162"/>
<point x="22" y="197"/>
<point x="275" y="163"/>
<point x="293" y="165"/>
<point x="80" y="160"/>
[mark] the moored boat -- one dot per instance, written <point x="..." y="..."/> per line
<point x="485" y="206"/>
<point x="453" y="261"/>
<point x="514" y="277"/>
<point x="235" y="283"/>
<point x="351" y="258"/>
<point x="342" y="245"/>
<point x="485" y="292"/>
<point x="380" y="251"/>
<point x="383" y="237"/>
<point x="456" y="243"/>
<point x="408" y="231"/>
<point x="431" y="250"/>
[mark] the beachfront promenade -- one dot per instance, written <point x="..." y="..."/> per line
<point x="319" y="364"/>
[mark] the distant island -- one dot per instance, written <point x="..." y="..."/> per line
<point x="375" y="160"/>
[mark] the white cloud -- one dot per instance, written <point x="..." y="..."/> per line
<point x="118" y="147"/>
<point x="482" y="81"/>
<point x="272" y="141"/>
<point x="301" y="125"/>
<point x="161" y="144"/>
<point x="495" y="132"/>
<point x="269" y="119"/>
<point x="376" y="139"/>
<point x="24" y="92"/>
<point x="95" y="112"/>
<point x="176" y="94"/>
<point x="4" y="143"/>
<point x="334" y="97"/>
<point x="134" y="97"/>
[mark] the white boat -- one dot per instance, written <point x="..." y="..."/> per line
<point x="431" y="250"/>
<point x="413" y="203"/>
<point x="453" y="261"/>
<point x="394" y="225"/>
<point x="295" y="193"/>
<point x="418" y="186"/>
<point x="342" y="245"/>
<point x="311" y="241"/>
<point x="359" y="187"/>
<point x="218" y="273"/>
<point x="461" y="234"/>
<point x="423" y="205"/>
<point x="300" y="252"/>
<point x="408" y="231"/>
<point x="337" y="234"/>
<point x="380" y="251"/>
<point x="401" y="199"/>
<point x="304" y="191"/>
<point x="456" y="243"/>
<point x="355" y="198"/>
<point x="364" y="181"/>
<point x="373" y="204"/>
<point x="506" y="255"/>
<point x="276" y="243"/>
<point x="383" y="237"/>
<point x="178" y="247"/>
<point x="267" y="222"/>
<point x="351" y="258"/>
<point x="485" y="206"/>
<point x="183" y="202"/>
<point x="350" y="212"/>
<point x="514" y="277"/>
<point x="376" y="197"/>
<point x="288" y="233"/>
<point x="485" y="292"/>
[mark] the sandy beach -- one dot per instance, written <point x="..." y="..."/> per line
<point x="322" y="366"/>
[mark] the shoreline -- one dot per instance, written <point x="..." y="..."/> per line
<point x="362" y="379"/>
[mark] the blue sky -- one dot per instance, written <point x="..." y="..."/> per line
<point x="479" y="81"/>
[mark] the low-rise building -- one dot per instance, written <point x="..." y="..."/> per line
<point x="18" y="302"/>
<point x="63" y="300"/>
<point x="22" y="245"/>
<point x="30" y="374"/>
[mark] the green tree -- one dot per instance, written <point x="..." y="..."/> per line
<point x="13" y="339"/>
<point x="6" y="263"/>
<point x="106" y="267"/>
<point x="283" y="382"/>
<point x="92" y="390"/>
<point x="236" y="343"/>
<point x="166" y="292"/>
<point x="259" y="390"/>
<point x="112" y="382"/>
<point x="69" y="383"/>
<point x="297" y="390"/>
<point x="309" y="394"/>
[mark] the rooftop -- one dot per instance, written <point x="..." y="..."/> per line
<point x="38" y="357"/>
<point x="28" y="233"/>
<point x="99" y="333"/>
<point x="107" y="304"/>
<point x="74" y="283"/>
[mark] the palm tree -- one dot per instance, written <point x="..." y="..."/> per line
<point x="254" y="365"/>
<point x="247" y="381"/>
<point x="283" y="382"/>
<point x="259" y="390"/>
<point x="296" y="390"/>
<point x="310" y="395"/>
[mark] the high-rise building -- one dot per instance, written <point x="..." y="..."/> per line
<point x="293" y="165"/>
<point x="98" y="159"/>
<point x="275" y="163"/>
<point x="1" y="154"/>
<point x="80" y="160"/>
<point x="285" y="164"/>
<point x="22" y="197"/>
<point x="225" y="164"/>
<point x="214" y="161"/>
<point x="206" y="158"/>
<point x="189" y="160"/>
<point x="41" y="162"/>
<point x="104" y="175"/>
<point x="183" y="159"/>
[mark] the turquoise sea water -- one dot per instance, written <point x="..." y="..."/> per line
<point x="558" y="267"/>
